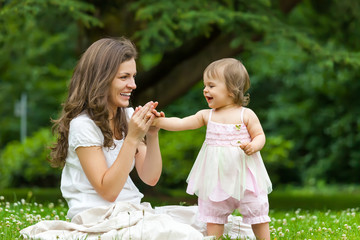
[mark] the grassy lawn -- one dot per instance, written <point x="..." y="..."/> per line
<point x="298" y="224"/>
<point x="315" y="224"/>
<point x="331" y="214"/>
<point x="20" y="214"/>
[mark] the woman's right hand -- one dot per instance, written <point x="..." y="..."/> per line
<point x="141" y="121"/>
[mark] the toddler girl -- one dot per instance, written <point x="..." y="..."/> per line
<point x="228" y="173"/>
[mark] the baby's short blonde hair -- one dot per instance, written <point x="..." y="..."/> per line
<point x="236" y="78"/>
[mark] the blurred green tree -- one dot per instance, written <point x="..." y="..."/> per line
<point x="38" y="49"/>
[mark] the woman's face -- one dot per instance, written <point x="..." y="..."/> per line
<point x="122" y="85"/>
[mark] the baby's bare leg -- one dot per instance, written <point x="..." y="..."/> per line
<point x="214" y="229"/>
<point x="261" y="231"/>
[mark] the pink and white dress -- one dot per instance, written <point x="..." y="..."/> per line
<point x="222" y="169"/>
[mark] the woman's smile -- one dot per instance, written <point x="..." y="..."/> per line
<point x="126" y="95"/>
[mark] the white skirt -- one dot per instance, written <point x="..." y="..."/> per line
<point x="220" y="172"/>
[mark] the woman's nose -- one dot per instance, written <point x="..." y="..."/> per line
<point x="132" y="83"/>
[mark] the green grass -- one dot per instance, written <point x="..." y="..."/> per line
<point x="20" y="214"/>
<point x="310" y="224"/>
<point x="330" y="212"/>
<point x="314" y="224"/>
<point x="296" y="224"/>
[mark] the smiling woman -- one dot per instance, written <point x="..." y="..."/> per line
<point x="100" y="137"/>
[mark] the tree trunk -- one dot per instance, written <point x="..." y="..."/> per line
<point x="166" y="83"/>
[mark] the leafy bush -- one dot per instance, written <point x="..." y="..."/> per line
<point x="179" y="151"/>
<point x="279" y="165"/>
<point x="25" y="164"/>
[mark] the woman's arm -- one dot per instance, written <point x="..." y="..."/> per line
<point x="109" y="181"/>
<point x="181" y="124"/>
<point x="148" y="159"/>
<point x="256" y="132"/>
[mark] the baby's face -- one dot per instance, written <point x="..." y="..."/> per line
<point x="216" y="92"/>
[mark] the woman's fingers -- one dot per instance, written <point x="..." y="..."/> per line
<point x="142" y="120"/>
<point x="155" y="104"/>
<point x="147" y="112"/>
<point x="143" y="112"/>
<point x="137" y="109"/>
<point x="150" y="106"/>
<point x="149" y="122"/>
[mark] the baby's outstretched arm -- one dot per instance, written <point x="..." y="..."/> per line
<point x="181" y="124"/>
<point x="256" y="132"/>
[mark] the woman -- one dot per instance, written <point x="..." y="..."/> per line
<point x="97" y="145"/>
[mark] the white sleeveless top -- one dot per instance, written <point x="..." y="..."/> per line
<point x="75" y="187"/>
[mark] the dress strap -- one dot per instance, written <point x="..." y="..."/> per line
<point x="211" y="110"/>
<point x="242" y="115"/>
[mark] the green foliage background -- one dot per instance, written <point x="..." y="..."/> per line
<point x="38" y="41"/>
<point x="303" y="64"/>
<point x="24" y="164"/>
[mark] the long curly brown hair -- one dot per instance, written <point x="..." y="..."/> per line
<point x="88" y="91"/>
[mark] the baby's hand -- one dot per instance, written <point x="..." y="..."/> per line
<point x="157" y="116"/>
<point x="155" y="112"/>
<point x="248" y="148"/>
